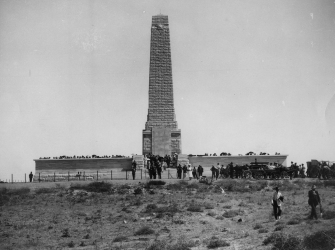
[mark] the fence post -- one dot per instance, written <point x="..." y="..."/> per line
<point x="111" y="174"/>
<point x="68" y="176"/>
<point x="126" y="175"/>
<point x="84" y="176"/>
<point x="168" y="173"/>
<point x="97" y="175"/>
<point x="54" y="177"/>
<point x="12" y="178"/>
<point x="25" y="180"/>
<point x="39" y="177"/>
<point x="141" y="174"/>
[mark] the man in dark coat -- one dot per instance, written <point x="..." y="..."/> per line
<point x="231" y="170"/>
<point x="313" y="201"/>
<point x="200" y="170"/>
<point x="179" y="171"/>
<point x="133" y="169"/>
<point x="31" y="176"/>
<point x="184" y="171"/>
<point x="159" y="169"/>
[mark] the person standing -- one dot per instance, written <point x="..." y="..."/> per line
<point x="189" y="172"/>
<point x="194" y="173"/>
<point x="217" y="171"/>
<point x="133" y="169"/>
<point x="31" y="176"/>
<point x="213" y="170"/>
<point x="200" y="170"/>
<point x="313" y="201"/>
<point x="277" y="199"/>
<point x="159" y="170"/>
<point x="231" y="170"/>
<point x="184" y="171"/>
<point x="179" y="171"/>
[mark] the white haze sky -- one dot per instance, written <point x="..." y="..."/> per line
<point x="248" y="76"/>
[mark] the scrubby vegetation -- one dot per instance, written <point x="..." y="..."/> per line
<point x="179" y="215"/>
<point x="216" y="242"/>
<point x="98" y="187"/>
<point x="145" y="230"/>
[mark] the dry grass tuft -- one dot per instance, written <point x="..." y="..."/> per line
<point x="145" y="230"/>
<point x="216" y="242"/>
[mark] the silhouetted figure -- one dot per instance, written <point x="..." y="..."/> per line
<point x="133" y="169"/>
<point x="313" y="201"/>
<point x="31" y="176"/>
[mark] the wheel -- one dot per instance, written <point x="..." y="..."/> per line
<point x="285" y="175"/>
<point x="259" y="175"/>
<point x="247" y="174"/>
<point x="276" y="176"/>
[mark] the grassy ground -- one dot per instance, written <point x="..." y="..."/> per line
<point x="177" y="215"/>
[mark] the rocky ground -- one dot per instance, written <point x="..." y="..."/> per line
<point x="229" y="214"/>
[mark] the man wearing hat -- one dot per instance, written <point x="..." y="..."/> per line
<point x="277" y="199"/>
<point x="313" y="201"/>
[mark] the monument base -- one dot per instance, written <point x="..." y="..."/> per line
<point x="161" y="141"/>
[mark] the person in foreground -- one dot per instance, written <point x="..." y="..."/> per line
<point x="313" y="201"/>
<point x="277" y="200"/>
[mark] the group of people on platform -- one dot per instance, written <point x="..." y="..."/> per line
<point x="229" y="154"/>
<point x="156" y="164"/>
<point x="83" y="157"/>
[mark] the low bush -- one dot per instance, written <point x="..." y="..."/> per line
<point x="322" y="240"/>
<point x="181" y="185"/>
<point x="293" y="221"/>
<point x="156" y="183"/>
<point x="15" y="191"/>
<point x="7" y="194"/>
<point x="330" y="183"/>
<point x="282" y="241"/>
<point x="208" y="205"/>
<point x="98" y="187"/>
<point x="45" y="190"/>
<point x="279" y="227"/>
<point x="120" y="238"/>
<point x="232" y="213"/>
<point x="216" y="242"/>
<point x="71" y="244"/>
<point x="193" y="185"/>
<point x="226" y="206"/>
<point x="328" y="215"/>
<point x="157" y="245"/>
<point x="263" y="230"/>
<point x="150" y="208"/>
<point x="145" y="230"/>
<point x="211" y="213"/>
<point x="194" y="207"/>
<point x="258" y="226"/>
<point x="137" y="202"/>
<point x="179" y="245"/>
<point x="220" y="217"/>
<point x="168" y="209"/>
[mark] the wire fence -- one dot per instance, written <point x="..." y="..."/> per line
<point x="139" y="174"/>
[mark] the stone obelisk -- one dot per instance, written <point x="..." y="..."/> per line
<point x="161" y="135"/>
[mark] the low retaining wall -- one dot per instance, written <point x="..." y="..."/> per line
<point x="64" y="167"/>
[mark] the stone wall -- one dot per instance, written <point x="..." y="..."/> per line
<point x="89" y="166"/>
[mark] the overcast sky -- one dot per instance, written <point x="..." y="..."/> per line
<point x="248" y="76"/>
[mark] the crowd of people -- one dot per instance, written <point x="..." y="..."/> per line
<point x="83" y="157"/>
<point x="155" y="164"/>
<point x="229" y="154"/>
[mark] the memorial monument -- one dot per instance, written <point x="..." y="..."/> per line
<point x="161" y="135"/>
